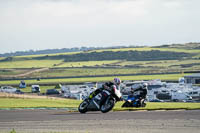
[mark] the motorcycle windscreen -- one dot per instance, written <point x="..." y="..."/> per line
<point x="131" y="97"/>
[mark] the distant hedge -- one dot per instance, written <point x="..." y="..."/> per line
<point x="121" y="55"/>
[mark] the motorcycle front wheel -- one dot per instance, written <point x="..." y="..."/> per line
<point x="83" y="107"/>
<point x="127" y="104"/>
<point x="143" y="104"/>
<point x="108" y="105"/>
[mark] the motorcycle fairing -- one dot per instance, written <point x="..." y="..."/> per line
<point x="98" y="100"/>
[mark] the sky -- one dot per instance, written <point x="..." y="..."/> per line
<point x="48" y="24"/>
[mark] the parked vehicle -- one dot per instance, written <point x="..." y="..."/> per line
<point x="35" y="88"/>
<point x="195" y="94"/>
<point x="8" y="89"/>
<point x="103" y="101"/>
<point x="180" y="96"/>
<point x="52" y="92"/>
<point x="19" y="92"/>
<point x="22" y="84"/>
<point x="156" y="100"/>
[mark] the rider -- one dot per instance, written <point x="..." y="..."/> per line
<point x="141" y="92"/>
<point x="108" y="86"/>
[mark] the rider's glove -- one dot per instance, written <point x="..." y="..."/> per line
<point x="90" y="96"/>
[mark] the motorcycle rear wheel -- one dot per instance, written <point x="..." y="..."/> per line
<point x="108" y="105"/>
<point x="83" y="107"/>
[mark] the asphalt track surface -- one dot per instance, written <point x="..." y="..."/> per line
<point x="61" y="121"/>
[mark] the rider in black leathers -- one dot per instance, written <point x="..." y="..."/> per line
<point x="108" y="86"/>
<point x="142" y="93"/>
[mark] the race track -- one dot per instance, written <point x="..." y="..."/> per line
<point x="61" y="121"/>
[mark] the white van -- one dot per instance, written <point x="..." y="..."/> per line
<point x="35" y="88"/>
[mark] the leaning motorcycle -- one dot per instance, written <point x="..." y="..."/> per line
<point x="134" y="101"/>
<point x="103" y="101"/>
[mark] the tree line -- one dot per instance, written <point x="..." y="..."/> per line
<point x="55" y="51"/>
<point x="120" y="55"/>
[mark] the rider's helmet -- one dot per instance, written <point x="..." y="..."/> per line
<point x="117" y="81"/>
<point x="144" y="85"/>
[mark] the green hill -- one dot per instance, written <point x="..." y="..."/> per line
<point x="163" y="59"/>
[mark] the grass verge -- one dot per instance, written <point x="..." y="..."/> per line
<point x="12" y="102"/>
<point x="171" y="77"/>
<point x="160" y="106"/>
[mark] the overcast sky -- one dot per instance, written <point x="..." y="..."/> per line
<point x="48" y="24"/>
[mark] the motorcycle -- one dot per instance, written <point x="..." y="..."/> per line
<point x="103" y="101"/>
<point x="134" y="101"/>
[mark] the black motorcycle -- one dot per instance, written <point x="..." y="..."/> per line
<point x="103" y="101"/>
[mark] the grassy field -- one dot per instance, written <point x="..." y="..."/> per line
<point x="29" y="64"/>
<point x="27" y="59"/>
<point x="8" y="72"/>
<point x="80" y="68"/>
<point x="37" y="103"/>
<point x="87" y="71"/>
<point x="171" y="77"/>
<point x="32" y="56"/>
<point x="165" y="63"/>
<point x="87" y="63"/>
<point x="24" y="64"/>
<point x="150" y="48"/>
<point x="189" y="64"/>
